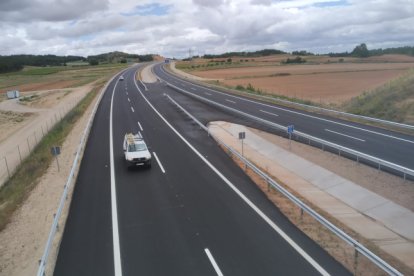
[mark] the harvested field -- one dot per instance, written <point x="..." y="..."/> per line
<point x="323" y="79"/>
<point x="322" y="87"/>
<point x="326" y="83"/>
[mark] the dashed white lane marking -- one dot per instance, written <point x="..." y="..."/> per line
<point x="140" y="127"/>
<point x="159" y="162"/>
<point x="307" y="115"/>
<point x="129" y="100"/>
<point x="267" y="112"/>
<point x="192" y="88"/>
<point x="230" y="101"/>
<point x="273" y="225"/>
<point x="132" y="109"/>
<point x="208" y="94"/>
<point x="213" y="262"/>
<point x="349" y="136"/>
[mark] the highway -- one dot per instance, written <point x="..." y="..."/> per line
<point x="391" y="146"/>
<point x="194" y="212"/>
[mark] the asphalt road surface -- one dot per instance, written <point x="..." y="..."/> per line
<point x="193" y="213"/>
<point x="391" y="146"/>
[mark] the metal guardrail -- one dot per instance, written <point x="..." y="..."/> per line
<point x="55" y="224"/>
<point x="316" y="108"/>
<point x="335" y="230"/>
<point x="359" y="155"/>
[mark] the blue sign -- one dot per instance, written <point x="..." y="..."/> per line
<point x="290" y="129"/>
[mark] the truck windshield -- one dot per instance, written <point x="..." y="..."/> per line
<point x="136" y="147"/>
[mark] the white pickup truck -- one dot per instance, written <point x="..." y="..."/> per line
<point x="136" y="151"/>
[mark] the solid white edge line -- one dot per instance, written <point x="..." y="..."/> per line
<point x="114" y="208"/>
<point x="159" y="162"/>
<point x="291" y="242"/>
<point x="140" y="127"/>
<point x="213" y="262"/>
<point x="302" y="114"/>
<point x="349" y="136"/>
<point x="267" y="112"/>
<point x="132" y="109"/>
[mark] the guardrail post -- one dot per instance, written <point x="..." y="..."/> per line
<point x="355" y="261"/>
<point x="301" y="215"/>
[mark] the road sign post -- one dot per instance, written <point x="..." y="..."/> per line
<point x="242" y="136"/>
<point x="55" y="152"/>
<point x="290" y="129"/>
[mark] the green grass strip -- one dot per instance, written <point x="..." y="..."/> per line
<point x="14" y="192"/>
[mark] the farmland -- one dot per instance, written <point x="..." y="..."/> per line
<point x="55" y="77"/>
<point x="322" y="79"/>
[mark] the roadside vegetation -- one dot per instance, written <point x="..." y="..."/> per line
<point x="393" y="101"/>
<point x="55" y="77"/>
<point x="18" y="187"/>
<point x="250" y="89"/>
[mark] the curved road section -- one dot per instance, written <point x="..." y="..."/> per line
<point x="387" y="145"/>
<point x="193" y="213"/>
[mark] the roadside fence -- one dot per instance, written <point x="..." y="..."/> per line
<point x="358" y="249"/>
<point x="13" y="156"/>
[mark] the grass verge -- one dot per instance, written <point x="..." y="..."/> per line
<point x="18" y="187"/>
<point x="393" y="101"/>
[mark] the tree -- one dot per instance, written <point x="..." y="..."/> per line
<point x="93" y="62"/>
<point x="361" y="51"/>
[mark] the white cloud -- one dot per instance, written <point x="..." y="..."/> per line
<point x="171" y="27"/>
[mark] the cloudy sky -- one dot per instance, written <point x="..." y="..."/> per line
<point x="172" y="27"/>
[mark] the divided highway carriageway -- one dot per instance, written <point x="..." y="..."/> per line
<point x="193" y="213"/>
<point x="387" y="145"/>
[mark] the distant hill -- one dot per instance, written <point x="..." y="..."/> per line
<point x="116" y="57"/>
<point x="261" y="53"/>
<point x="16" y="62"/>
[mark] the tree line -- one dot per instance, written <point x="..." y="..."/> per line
<point x="16" y="62"/>
<point x="264" y="52"/>
<point x="363" y="51"/>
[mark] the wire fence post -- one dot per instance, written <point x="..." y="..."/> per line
<point x="28" y="144"/>
<point x="20" y="155"/>
<point x="7" y="166"/>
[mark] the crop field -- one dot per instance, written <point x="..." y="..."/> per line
<point x="45" y="78"/>
<point x="321" y="79"/>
